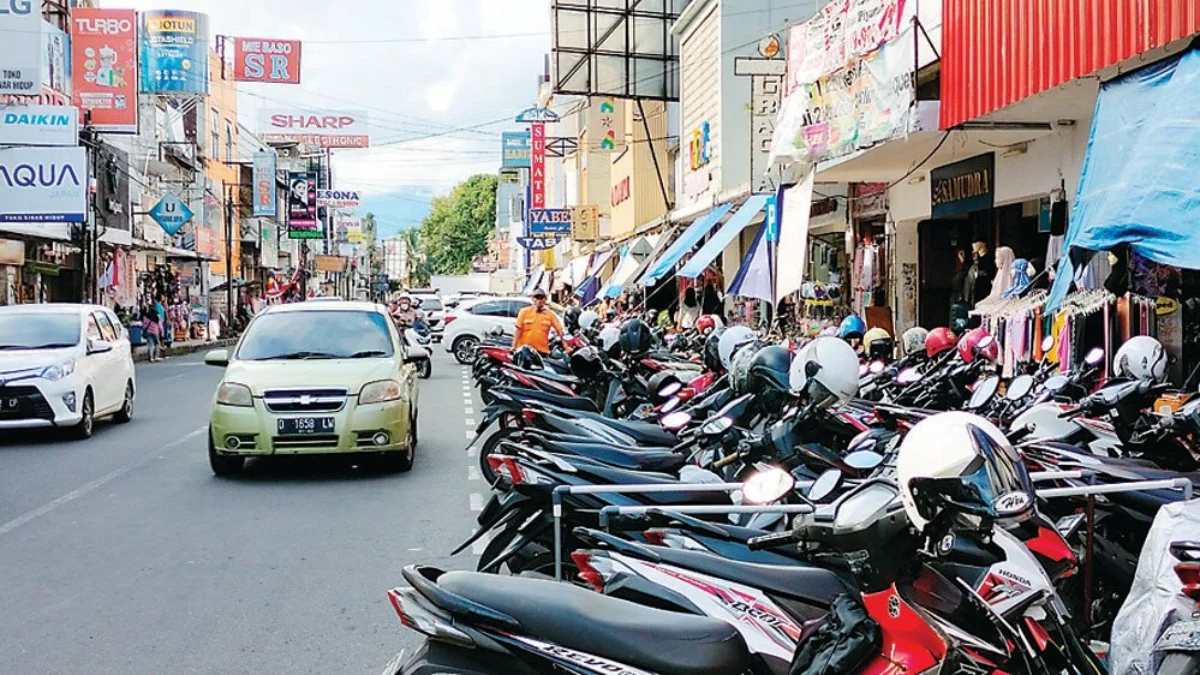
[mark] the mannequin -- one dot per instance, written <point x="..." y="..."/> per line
<point x="979" y="277"/>
<point x="1004" y="272"/>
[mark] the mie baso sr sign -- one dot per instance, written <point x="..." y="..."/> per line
<point x="331" y="129"/>
<point x="963" y="187"/>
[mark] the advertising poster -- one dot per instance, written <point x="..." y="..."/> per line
<point x="43" y="184"/>
<point x="264" y="184"/>
<point x="339" y="199"/>
<point x="56" y="62"/>
<point x="21" y="57"/>
<point x="515" y="149"/>
<point x="174" y="52"/>
<point x="325" y="129"/>
<point x="39" y="125"/>
<point x="266" y="60"/>
<point x="302" y="206"/>
<point x="104" y="67"/>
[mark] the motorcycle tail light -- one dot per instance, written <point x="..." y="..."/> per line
<point x="507" y="468"/>
<point x="594" y="570"/>
<point x="655" y="537"/>
<point x="686" y="394"/>
<point x="528" y="417"/>
<point x="1189" y="574"/>
<point x="413" y="616"/>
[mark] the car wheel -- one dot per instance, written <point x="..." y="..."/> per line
<point x="125" y="414"/>
<point x="464" y="349"/>
<point x="401" y="462"/>
<point x="87" y="421"/>
<point x="224" y="465"/>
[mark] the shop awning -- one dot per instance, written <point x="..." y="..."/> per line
<point x="690" y="237"/>
<point x="1138" y="185"/>
<point x="633" y="258"/>
<point x="724" y="236"/>
<point x="535" y="278"/>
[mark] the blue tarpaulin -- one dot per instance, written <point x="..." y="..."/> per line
<point x="690" y="237"/>
<point x="724" y="236"/>
<point x="1139" y="185"/>
<point x="753" y="279"/>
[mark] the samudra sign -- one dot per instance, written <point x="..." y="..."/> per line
<point x="329" y="129"/>
<point x="43" y="184"/>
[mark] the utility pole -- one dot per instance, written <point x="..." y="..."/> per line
<point x="228" y="255"/>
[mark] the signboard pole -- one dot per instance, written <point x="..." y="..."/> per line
<point x="228" y="256"/>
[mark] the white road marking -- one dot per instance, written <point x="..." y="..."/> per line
<point x="90" y="487"/>
<point x="470" y="435"/>
<point x="473" y="473"/>
<point x="472" y="451"/>
<point x="478" y="547"/>
<point x="469" y="422"/>
<point x="476" y="501"/>
<point x="173" y="377"/>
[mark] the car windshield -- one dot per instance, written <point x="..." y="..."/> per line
<point x="317" y="335"/>
<point x="431" y="304"/>
<point x="36" y="330"/>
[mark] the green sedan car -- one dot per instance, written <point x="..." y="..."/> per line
<point x="315" y="378"/>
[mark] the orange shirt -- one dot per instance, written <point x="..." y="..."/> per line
<point x="533" y="329"/>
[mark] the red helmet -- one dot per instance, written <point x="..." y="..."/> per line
<point x="706" y="324"/>
<point x="977" y="342"/>
<point x="939" y="341"/>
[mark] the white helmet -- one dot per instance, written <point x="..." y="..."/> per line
<point x="588" y="319"/>
<point x="1141" y="358"/>
<point x="962" y="462"/>
<point x="913" y="340"/>
<point x="610" y="337"/>
<point x="733" y="338"/>
<point x="830" y="363"/>
<point x="741" y="365"/>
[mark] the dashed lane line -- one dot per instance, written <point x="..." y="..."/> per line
<point x="476" y="501"/>
<point x="473" y="473"/>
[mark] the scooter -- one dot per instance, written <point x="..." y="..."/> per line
<point x="418" y="349"/>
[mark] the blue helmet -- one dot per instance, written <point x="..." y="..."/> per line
<point x="852" y="327"/>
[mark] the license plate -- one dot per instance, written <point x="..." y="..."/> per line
<point x="303" y="426"/>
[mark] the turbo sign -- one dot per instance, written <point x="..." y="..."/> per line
<point x="332" y="129"/>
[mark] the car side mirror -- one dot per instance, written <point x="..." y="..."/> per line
<point x="217" y="357"/>
<point x="98" y="346"/>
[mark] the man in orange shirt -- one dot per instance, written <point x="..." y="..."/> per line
<point x="534" y="324"/>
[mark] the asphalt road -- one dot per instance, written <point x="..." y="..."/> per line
<point x="124" y="554"/>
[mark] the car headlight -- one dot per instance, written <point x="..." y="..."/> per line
<point x="58" y="371"/>
<point x="232" y="393"/>
<point x="378" y="392"/>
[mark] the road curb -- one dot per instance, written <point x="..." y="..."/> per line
<point x="142" y="353"/>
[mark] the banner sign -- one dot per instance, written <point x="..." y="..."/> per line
<point x="104" y="67"/>
<point x="348" y="230"/>
<point x="842" y="31"/>
<point x="537" y="163"/>
<point x="264" y="60"/>
<point x="264" y="184"/>
<point x="174" y="52"/>
<point x="963" y="187"/>
<point x="516" y="149"/>
<point x="21" y="58"/>
<point x="43" y="184"/>
<point x="56" y="66"/>
<point x="338" y="199"/>
<point x="539" y="243"/>
<point x="328" y="129"/>
<point x="330" y="263"/>
<point x="171" y="214"/>
<point x="606" y="123"/>
<point x="585" y="223"/>
<point x="302" y="206"/>
<point x="553" y="221"/>
<point x="39" y="125"/>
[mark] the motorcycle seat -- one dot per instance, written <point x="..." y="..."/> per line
<point x="663" y="461"/>
<point x="649" y="433"/>
<point x="614" y="476"/>
<point x="652" y="639"/>
<point x="813" y="585"/>
<point x="571" y="403"/>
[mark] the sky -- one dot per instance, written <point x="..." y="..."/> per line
<point x="439" y="79"/>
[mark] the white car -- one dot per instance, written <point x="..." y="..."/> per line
<point x="64" y="366"/>
<point x="468" y="325"/>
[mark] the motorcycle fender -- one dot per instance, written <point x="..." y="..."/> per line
<point x="529" y="532"/>
<point x="501" y="546"/>
<point x="498" y="512"/>
<point x="1181" y="636"/>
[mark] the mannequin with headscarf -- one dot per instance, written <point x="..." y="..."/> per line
<point x="1004" y="272"/>
<point x="1022" y="272"/>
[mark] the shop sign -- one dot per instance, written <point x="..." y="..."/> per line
<point x="537" y="115"/>
<point x="515" y="149"/>
<point x="537" y="163"/>
<point x="174" y="52"/>
<point x="327" y="129"/>
<point x="266" y="60"/>
<point x="171" y="213"/>
<point x="56" y="66"/>
<point x="104" y="67"/>
<point x="543" y="242"/>
<point x="12" y="252"/>
<point x="21" y="58"/>
<point x="39" y="125"/>
<point x="698" y="151"/>
<point x="621" y="191"/>
<point x="330" y="263"/>
<point x="339" y="199"/>
<point x="585" y="223"/>
<point x="1165" y="306"/>
<point x="43" y="184"/>
<point x="606" y="122"/>
<point x="843" y="31"/>
<point x="348" y="230"/>
<point x="302" y="206"/>
<point x="112" y="194"/>
<point x="264" y="184"/>
<point x="552" y="221"/>
<point x="963" y="187"/>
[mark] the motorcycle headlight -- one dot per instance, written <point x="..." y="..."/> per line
<point x="234" y="394"/>
<point x="379" y="392"/>
<point x="58" y="371"/>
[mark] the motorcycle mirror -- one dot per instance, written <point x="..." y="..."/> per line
<point x="1056" y="383"/>
<point x="863" y="460"/>
<point x="670" y="389"/>
<point x="876" y="367"/>
<point x="676" y="420"/>
<point x="670" y="405"/>
<point x="1094" y="356"/>
<point x="715" y="426"/>
<point x="767" y="486"/>
<point x="825" y="485"/>
<point x="1047" y="343"/>
<point x="1019" y="388"/>
<point x="908" y="376"/>
<point x="984" y="391"/>
<point x="985" y="342"/>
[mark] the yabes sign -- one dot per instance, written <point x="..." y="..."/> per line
<point x="263" y="60"/>
<point x="326" y="129"/>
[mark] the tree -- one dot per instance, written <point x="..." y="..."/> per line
<point x="458" y="226"/>
<point x="419" y="269"/>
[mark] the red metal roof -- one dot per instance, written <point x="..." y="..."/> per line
<point x="997" y="52"/>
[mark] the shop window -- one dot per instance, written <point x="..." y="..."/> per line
<point x="215" y="133"/>
<point x="229" y="142"/>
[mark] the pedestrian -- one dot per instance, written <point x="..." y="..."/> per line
<point x="534" y="324"/>
<point x="160" y="306"/>
<point x="152" y="327"/>
<point x="689" y="310"/>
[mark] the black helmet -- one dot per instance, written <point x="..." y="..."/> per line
<point x="768" y="377"/>
<point x="712" y="352"/>
<point x="571" y="319"/>
<point x="586" y="363"/>
<point x="636" y="338"/>
<point x="527" y="358"/>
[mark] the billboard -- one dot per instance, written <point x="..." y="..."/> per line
<point x="174" y="52"/>
<point x="302" y="206"/>
<point x="21" y="58"/>
<point x="324" y="129"/>
<point x="104" y="67"/>
<point x="43" y="184"/>
<point x="606" y="124"/>
<point x="39" y="125"/>
<point x="339" y="199"/>
<point x="56" y="62"/>
<point x="348" y="230"/>
<point x="264" y="183"/>
<point x="515" y="146"/>
<point x="265" y="60"/>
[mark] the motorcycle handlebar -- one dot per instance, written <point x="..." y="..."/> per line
<point x="771" y="541"/>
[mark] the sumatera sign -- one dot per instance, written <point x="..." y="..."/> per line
<point x="963" y="187"/>
<point x="266" y="60"/>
